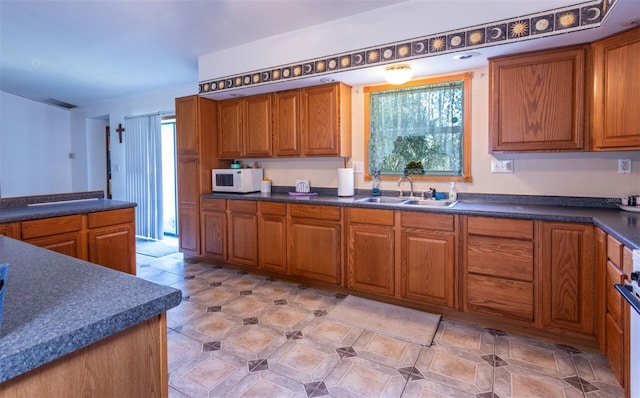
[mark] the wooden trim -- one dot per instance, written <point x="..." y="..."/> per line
<point x="466" y="129"/>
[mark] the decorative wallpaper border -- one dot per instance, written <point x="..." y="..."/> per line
<point x="558" y="21"/>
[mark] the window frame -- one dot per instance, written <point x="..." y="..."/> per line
<point x="466" y="125"/>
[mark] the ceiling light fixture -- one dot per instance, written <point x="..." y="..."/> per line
<point x="398" y="74"/>
<point x="465" y="55"/>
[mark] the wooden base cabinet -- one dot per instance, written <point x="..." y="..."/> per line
<point x="427" y="258"/>
<point x="131" y="363"/>
<point x="12" y="230"/>
<point x="371" y="252"/>
<point x="112" y="239"/>
<point x="243" y="232"/>
<point x="315" y="248"/>
<point x="499" y="268"/>
<point x="617" y="316"/>
<point x="272" y="236"/>
<point x="214" y="228"/>
<point x="63" y="235"/>
<point x="567" y="277"/>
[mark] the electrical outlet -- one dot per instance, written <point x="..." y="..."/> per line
<point x="501" y="166"/>
<point x="624" y="166"/>
<point x="358" y="166"/>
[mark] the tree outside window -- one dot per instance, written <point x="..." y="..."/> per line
<point x="420" y="128"/>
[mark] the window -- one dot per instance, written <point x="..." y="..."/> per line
<point x="421" y="128"/>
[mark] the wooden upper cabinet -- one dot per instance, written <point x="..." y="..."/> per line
<point x="537" y="101"/>
<point x="230" y="128"/>
<point x="616" y="111"/>
<point x="187" y="137"/>
<point x="326" y="120"/>
<point x="286" y="123"/>
<point x="257" y="131"/>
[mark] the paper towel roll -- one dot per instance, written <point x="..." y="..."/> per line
<point x="345" y="182"/>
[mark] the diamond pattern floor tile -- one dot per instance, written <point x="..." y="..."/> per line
<point x="236" y="334"/>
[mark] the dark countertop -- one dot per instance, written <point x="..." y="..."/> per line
<point x="56" y="209"/>
<point x="623" y="225"/>
<point x="55" y="304"/>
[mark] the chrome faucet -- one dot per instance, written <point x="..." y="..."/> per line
<point x="410" y="184"/>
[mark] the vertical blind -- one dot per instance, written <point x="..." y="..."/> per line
<point x="143" y="157"/>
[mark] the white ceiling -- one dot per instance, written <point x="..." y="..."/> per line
<point x="84" y="52"/>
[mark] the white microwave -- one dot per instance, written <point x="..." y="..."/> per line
<point x="236" y="180"/>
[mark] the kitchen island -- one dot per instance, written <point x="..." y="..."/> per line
<point x="79" y="224"/>
<point x="72" y="328"/>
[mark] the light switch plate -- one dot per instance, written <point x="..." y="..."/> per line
<point x="358" y="167"/>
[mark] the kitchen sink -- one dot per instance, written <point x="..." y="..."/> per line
<point x="431" y="203"/>
<point x="382" y="199"/>
<point x="408" y="201"/>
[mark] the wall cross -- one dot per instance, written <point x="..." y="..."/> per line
<point x="120" y="129"/>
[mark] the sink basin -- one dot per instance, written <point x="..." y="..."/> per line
<point x="382" y="199"/>
<point x="410" y="201"/>
<point x="431" y="203"/>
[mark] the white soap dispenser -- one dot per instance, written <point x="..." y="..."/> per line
<point x="453" y="195"/>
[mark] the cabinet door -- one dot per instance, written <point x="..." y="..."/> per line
<point x="273" y="242"/>
<point x="72" y="244"/>
<point x="230" y="128"/>
<point x="427" y="262"/>
<point x="371" y="258"/>
<point x="567" y="277"/>
<point x="12" y="230"/>
<point x="257" y="139"/>
<point x="187" y="143"/>
<point x="320" y="121"/>
<point x="615" y="348"/>
<point x="315" y="249"/>
<point x="189" y="205"/>
<point x="114" y="247"/>
<point x="616" y="114"/>
<point x="537" y="101"/>
<point x="214" y="243"/>
<point x="243" y="233"/>
<point x="286" y="123"/>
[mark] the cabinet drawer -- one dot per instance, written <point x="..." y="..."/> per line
<point x="506" y="258"/>
<point x="440" y="222"/>
<point x="614" y="250"/>
<point x="51" y="226"/>
<point x="214" y="204"/>
<point x="276" y="209"/>
<point x="313" y="211"/>
<point x="615" y="302"/>
<point x="501" y="227"/>
<point x="500" y="297"/>
<point x="246" y="206"/>
<point x="112" y="217"/>
<point x="368" y="216"/>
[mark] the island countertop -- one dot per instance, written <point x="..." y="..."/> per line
<point x="55" y="304"/>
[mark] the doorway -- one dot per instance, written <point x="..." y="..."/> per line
<point x="169" y="185"/>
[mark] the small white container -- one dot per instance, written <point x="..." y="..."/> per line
<point x="265" y="186"/>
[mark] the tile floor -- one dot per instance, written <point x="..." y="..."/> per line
<point x="236" y="334"/>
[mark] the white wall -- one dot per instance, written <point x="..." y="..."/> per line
<point x="86" y="165"/>
<point x="35" y="143"/>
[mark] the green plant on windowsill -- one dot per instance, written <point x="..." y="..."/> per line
<point x="413" y="168"/>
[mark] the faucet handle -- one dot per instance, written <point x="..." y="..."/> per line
<point x="400" y="193"/>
